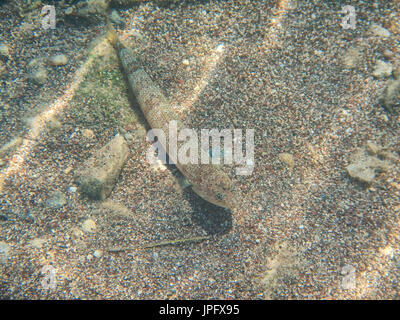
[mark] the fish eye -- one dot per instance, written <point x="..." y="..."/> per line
<point x="220" y="196"/>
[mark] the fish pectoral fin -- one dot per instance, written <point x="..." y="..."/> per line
<point x="185" y="183"/>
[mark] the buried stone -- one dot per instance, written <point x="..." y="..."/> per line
<point x="370" y="161"/>
<point x="97" y="175"/>
<point x="391" y="96"/>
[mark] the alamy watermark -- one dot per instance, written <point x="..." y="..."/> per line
<point x="49" y="17"/>
<point x="349" y="277"/>
<point x="349" y="20"/>
<point x="48" y="281"/>
<point x="189" y="151"/>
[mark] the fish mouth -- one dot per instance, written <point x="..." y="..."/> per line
<point x="216" y="202"/>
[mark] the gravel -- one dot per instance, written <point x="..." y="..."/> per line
<point x="272" y="66"/>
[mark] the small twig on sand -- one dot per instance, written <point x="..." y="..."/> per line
<point x="160" y="244"/>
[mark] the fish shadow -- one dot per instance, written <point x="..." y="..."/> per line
<point x="213" y="219"/>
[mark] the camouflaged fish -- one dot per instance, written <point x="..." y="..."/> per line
<point x="209" y="181"/>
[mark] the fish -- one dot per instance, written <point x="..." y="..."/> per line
<point x="209" y="181"/>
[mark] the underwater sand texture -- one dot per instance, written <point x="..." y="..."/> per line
<point x="272" y="66"/>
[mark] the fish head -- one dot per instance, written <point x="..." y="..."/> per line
<point x="217" y="189"/>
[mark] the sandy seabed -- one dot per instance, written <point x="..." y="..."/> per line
<point x="282" y="68"/>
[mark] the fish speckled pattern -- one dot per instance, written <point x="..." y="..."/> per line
<point x="209" y="181"/>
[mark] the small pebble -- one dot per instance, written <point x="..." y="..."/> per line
<point x="89" y="225"/>
<point x="58" y="60"/>
<point x="382" y="69"/>
<point x="88" y="133"/>
<point x="4" y="249"/>
<point x="73" y="189"/>
<point x="68" y="170"/>
<point x="384" y="117"/>
<point x="4" y="51"/>
<point x="380" y="31"/>
<point x="68" y="11"/>
<point x="220" y="48"/>
<point x="388" y="54"/>
<point x="37" y="243"/>
<point x="352" y="57"/>
<point x="387" y="251"/>
<point x="287" y="158"/>
<point x="185" y="62"/>
<point x="98" y="253"/>
<point x="318" y="52"/>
